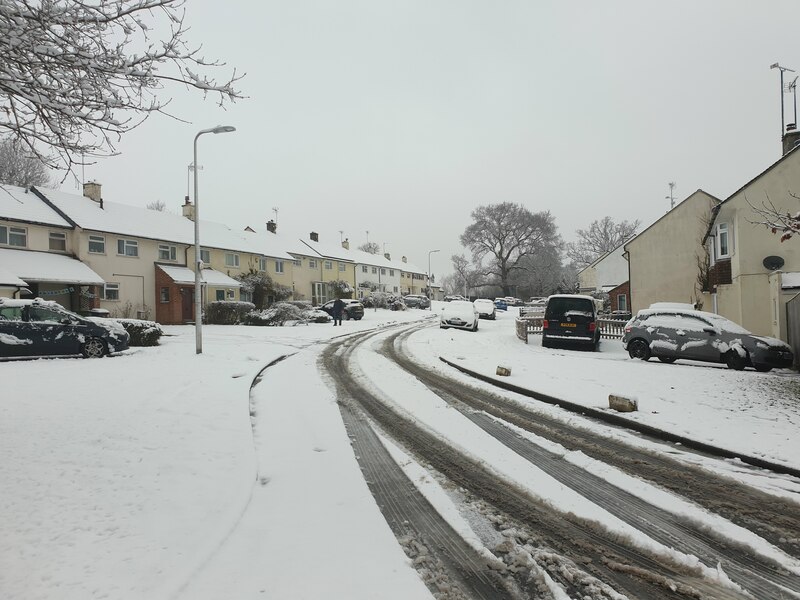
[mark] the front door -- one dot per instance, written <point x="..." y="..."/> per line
<point x="187" y="304"/>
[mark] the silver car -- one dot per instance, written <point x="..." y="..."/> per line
<point x="460" y="314"/>
<point x="672" y="334"/>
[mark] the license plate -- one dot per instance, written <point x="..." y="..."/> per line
<point x="568" y="324"/>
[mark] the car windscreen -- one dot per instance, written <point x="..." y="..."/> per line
<point x="578" y="309"/>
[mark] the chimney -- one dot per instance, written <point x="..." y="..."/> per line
<point x="404" y="259"/>
<point x="188" y="209"/>
<point x="91" y="190"/>
<point x="346" y="244"/>
<point x="272" y="226"/>
<point x="387" y="256"/>
<point x="791" y="138"/>
<point x="314" y="236"/>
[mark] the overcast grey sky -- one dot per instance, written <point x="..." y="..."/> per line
<point x="399" y="118"/>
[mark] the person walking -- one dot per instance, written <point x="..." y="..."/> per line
<point x="338" y="308"/>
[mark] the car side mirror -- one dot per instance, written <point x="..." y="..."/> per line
<point x="710" y="330"/>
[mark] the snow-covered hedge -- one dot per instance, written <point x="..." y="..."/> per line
<point x="227" y="312"/>
<point x="285" y="313"/>
<point x="143" y="333"/>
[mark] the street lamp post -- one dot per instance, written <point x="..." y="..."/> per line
<point x="198" y="263"/>
<point x="429" y="271"/>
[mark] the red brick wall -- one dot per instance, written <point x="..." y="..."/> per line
<point x="720" y="273"/>
<point x="168" y="313"/>
<point x="620" y="290"/>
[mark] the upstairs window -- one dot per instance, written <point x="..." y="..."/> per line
<point x="262" y="263"/>
<point x="97" y="244"/>
<point x="231" y="260"/>
<point x="328" y="265"/>
<point x="391" y="272"/>
<point x="205" y="256"/>
<point x="13" y="236"/>
<point x="128" y="247"/>
<point x="58" y="241"/>
<point x="342" y="266"/>
<point x="363" y="268"/>
<point x="279" y="266"/>
<point x="312" y="263"/>
<point x="723" y="245"/>
<point x="167" y="252"/>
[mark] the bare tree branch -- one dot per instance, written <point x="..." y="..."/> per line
<point x="602" y="236"/>
<point x="786" y="224"/>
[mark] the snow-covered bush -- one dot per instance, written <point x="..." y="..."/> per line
<point x="226" y="312"/>
<point x="315" y="315"/>
<point x="285" y="313"/>
<point x="142" y="333"/>
<point x="379" y="300"/>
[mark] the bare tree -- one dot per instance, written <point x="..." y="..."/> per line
<point x="17" y="167"/>
<point x="601" y="237"/>
<point x="785" y="223"/>
<point x="76" y="75"/>
<point x="157" y="205"/>
<point x="465" y="277"/>
<point x="506" y="233"/>
<point x="371" y="247"/>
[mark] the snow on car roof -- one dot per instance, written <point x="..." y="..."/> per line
<point x="676" y="305"/>
<point x="718" y="320"/>
<point x="572" y="296"/>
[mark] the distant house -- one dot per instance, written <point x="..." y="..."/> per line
<point x="665" y="260"/>
<point x="605" y="273"/>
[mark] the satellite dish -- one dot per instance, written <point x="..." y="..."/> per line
<point x="773" y="263"/>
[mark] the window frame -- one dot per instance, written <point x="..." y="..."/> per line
<point x="97" y="239"/>
<point x="170" y="250"/>
<point x="279" y="267"/>
<point x="235" y="260"/>
<point x="262" y="263"/>
<point x="110" y="286"/>
<point x="329" y="265"/>
<point x="11" y="232"/>
<point x="164" y="295"/>
<point x="342" y="267"/>
<point x="207" y="253"/>
<point x="57" y="236"/>
<point x="124" y="244"/>
<point x="624" y="304"/>
<point x="722" y="230"/>
<point x="312" y="263"/>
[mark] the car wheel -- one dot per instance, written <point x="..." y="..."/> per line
<point x="93" y="348"/>
<point x="442" y="327"/>
<point x="639" y="349"/>
<point x="357" y="318"/>
<point x="667" y="359"/>
<point x="735" y="361"/>
<point x="763" y="368"/>
<point x="475" y="327"/>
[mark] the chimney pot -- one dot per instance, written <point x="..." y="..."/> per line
<point x="188" y="209"/>
<point x="387" y="256"/>
<point x="405" y="260"/>
<point x="346" y="244"/>
<point x="272" y="226"/>
<point x="92" y="190"/>
<point x="314" y="236"/>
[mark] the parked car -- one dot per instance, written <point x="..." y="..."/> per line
<point x="41" y="328"/>
<point x="416" y="301"/>
<point x="570" y="319"/>
<point x="501" y="304"/>
<point x="671" y="334"/>
<point x="453" y="298"/>
<point x="353" y="309"/>
<point x="460" y="314"/>
<point x="485" y="308"/>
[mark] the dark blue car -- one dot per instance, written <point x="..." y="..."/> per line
<point x="41" y="328"/>
<point x="500" y="304"/>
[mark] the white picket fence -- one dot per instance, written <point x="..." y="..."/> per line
<point x="531" y="324"/>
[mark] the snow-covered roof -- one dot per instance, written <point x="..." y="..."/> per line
<point x="790" y="280"/>
<point x="123" y="219"/>
<point x="7" y="278"/>
<point x="18" y="204"/>
<point x="330" y="250"/>
<point x="46" y="267"/>
<point x="208" y="276"/>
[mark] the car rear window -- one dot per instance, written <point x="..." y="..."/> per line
<point x="569" y="307"/>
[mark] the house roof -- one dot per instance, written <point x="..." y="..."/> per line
<point x="790" y="281"/>
<point x="208" y="276"/>
<point x="718" y="207"/>
<point x="329" y="250"/>
<point x="47" y="267"/>
<point x="19" y="204"/>
<point x="134" y="221"/>
<point x="7" y="278"/>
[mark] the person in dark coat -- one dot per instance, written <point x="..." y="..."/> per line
<point x="338" y="308"/>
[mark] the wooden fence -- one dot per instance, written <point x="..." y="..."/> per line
<point x="610" y="329"/>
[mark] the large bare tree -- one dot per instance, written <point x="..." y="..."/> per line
<point x="18" y="167"/>
<point x="602" y="236"/>
<point x="371" y="247"/>
<point x="77" y="74"/>
<point x="502" y="235"/>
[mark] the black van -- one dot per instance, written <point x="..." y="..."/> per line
<point x="570" y="319"/>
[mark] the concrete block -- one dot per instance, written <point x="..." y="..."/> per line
<point x="622" y="404"/>
<point x="503" y="371"/>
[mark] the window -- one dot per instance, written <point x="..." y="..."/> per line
<point x="110" y="291"/>
<point x="220" y="295"/>
<point x="97" y="244"/>
<point x="262" y="263"/>
<point x="231" y="260"/>
<point x="298" y="263"/>
<point x="383" y="271"/>
<point x="58" y="241"/>
<point x="231" y="295"/>
<point x="391" y="272"/>
<point x="395" y="289"/>
<point x="205" y="256"/>
<point x="312" y="263"/>
<point x="622" y="302"/>
<point x="128" y="247"/>
<point x="165" y="294"/>
<point x="279" y="266"/>
<point x="328" y="265"/>
<point x="723" y="249"/>
<point x="245" y="296"/>
<point x="13" y="236"/>
<point x="363" y="268"/>
<point x="374" y="270"/>
<point x="11" y="313"/>
<point x="167" y="252"/>
<point x="40" y="313"/>
<point x="342" y="266"/>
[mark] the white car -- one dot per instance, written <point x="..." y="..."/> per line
<point x="460" y="314"/>
<point x="485" y="308"/>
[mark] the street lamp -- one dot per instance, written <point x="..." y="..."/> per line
<point x="429" y="271"/>
<point x="198" y="263"/>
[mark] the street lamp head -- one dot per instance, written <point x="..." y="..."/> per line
<point x="223" y="129"/>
